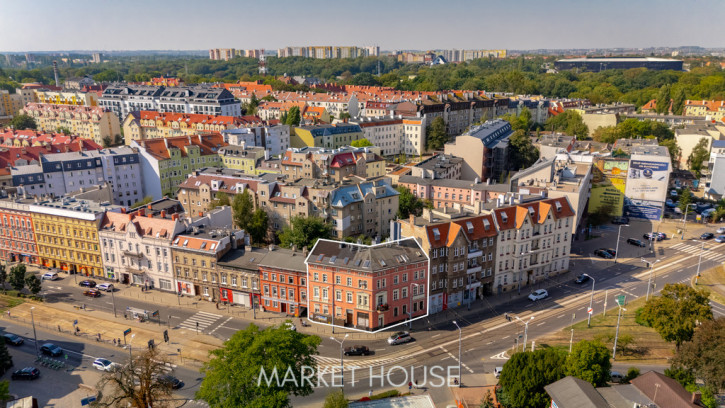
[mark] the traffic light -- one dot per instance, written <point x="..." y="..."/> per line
<point x="166" y="336"/>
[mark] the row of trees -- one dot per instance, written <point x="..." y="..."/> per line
<point x="19" y="279"/>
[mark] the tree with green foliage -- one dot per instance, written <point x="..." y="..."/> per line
<point x="258" y="226"/>
<point x="632" y="373"/>
<point x="663" y="100"/>
<point x="335" y="399"/>
<point x="293" y="116"/>
<point x="487" y="400"/>
<point x="686" y="378"/>
<point x="22" y="122"/>
<point x="243" y="209"/>
<point x="17" y="277"/>
<point x="700" y="153"/>
<point x="5" y="391"/>
<point x="237" y="374"/>
<point x="524" y="376"/>
<point x="685" y="199"/>
<point x="678" y="101"/>
<point x="704" y="355"/>
<point x="675" y="313"/>
<point x="436" y="134"/>
<point x="3" y="276"/>
<point x="220" y="199"/>
<point x="522" y="121"/>
<point x="344" y="116"/>
<point x="144" y="201"/>
<point x="365" y="79"/>
<point x="522" y="153"/>
<point x="408" y="203"/>
<point x="6" y="360"/>
<point x="605" y="134"/>
<point x="361" y="143"/>
<point x="589" y="361"/>
<point x="63" y="129"/>
<point x="304" y="232"/>
<point x="569" y="122"/>
<point x="33" y="284"/>
<point x="674" y="149"/>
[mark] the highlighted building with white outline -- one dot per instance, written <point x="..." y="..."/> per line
<point x="367" y="287"/>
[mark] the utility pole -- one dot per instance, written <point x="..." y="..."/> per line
<point x="616" y="335"/>
<point x="571" y="340"/>
<point x="460" y="339"/>
<point x="526" y="328"/>
<point x="619" y="235"/>
<point x="590" y="312"/>
<point x="649" y="281"/>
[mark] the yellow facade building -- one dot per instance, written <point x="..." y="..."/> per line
<point x="246" y="160"/>
<point x="89" y="122"/>
<point x="67" y="98"/>
<point x="143" y="125"/>
<point x="66" y="233"/>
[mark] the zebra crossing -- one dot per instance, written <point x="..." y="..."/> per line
<point x="707" y="253"/>
<point x="200" y="321"/>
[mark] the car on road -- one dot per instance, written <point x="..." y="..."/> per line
<point x="399" y="338"/>
<point x="103" y="364"/>
<point x="636" y="242"/>
<point x="51" y="349"/>
<point x="13" y="339"/>
<point x="88" y="283"/>
<point x="720" y="239"/>
<point x="610" y="251"/>
<point x="92" y="293"/>
<point x="602" y="253"/>
<point x="538" y="294"/>
<point x="357" y="351"/>
<point x="707" y="235"/>
<point x="581" y="279"/>
<point x="106" y="287"/>
<point x="49" y="276"/>
<point x="650" y="236"/>
<point x="720" y="230"/>
<point x="620" y="220"/>
<point x="171" y="382"/>
<point x="27" y="373"/>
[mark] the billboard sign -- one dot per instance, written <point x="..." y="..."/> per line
<point x="643" y="209"/>
<point x="647" y="180"/>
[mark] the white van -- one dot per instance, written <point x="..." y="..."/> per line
<point x="497" y="371"/>
<point x="52" y="275"/>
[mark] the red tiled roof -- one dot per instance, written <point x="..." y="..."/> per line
<point x="193" y="118"/>
<point x="342" y="160"/>
<point x="209" y="144"/>
<point x="479" y="227"/>
<point x="443" y="231"/>
<point x="228" y="185"/>
<point x="145" y="226"/>
<point x="190" y="242"/>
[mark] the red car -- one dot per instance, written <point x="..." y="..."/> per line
<point x="92" y="293"/>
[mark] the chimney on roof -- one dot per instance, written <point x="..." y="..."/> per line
<point x="141" y="212"/>
<point x="174" y="217"/>
<point x="123" y="210"/>
<point x="150" y="215"/>
<point x="163" y="213"/>
<point x="150" y="207"/>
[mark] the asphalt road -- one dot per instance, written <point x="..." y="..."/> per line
<point x="55" y="384"/>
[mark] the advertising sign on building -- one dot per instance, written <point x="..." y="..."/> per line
<point x="644" y="209"/>
<point x="647" y="180"/>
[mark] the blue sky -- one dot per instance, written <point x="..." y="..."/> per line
<point x="46" y="25"/>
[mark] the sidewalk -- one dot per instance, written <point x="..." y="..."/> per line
<point x="60" y="318"/>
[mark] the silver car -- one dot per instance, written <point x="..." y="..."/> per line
<point x="399" y="338"/>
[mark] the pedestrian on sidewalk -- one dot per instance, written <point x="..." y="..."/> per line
<point x="114" y="341"/>
<point x="370" y="393"/>
<point x="410" y="386"/>
<point x="78" y="330"/>
<point x="59" y="329"/>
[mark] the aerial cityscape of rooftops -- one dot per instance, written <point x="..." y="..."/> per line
<point x="368" y="210"/>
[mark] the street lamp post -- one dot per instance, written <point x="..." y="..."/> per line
<point x="571" y="340"/>
<point x="113" y="299"/>
<point x="649" y="281"/>
<point x="460" y="373"/>
<point x="590" y="312"/>
<point x="699" y="261"/>
<point x="342" y="367"/>
<point x="616" y="335"/>
<point x="526" y="328"/>
<point x="35" y="335"/>
<point x="619" y="234"/>
<point x="684" y="220"/>
<point x="130" y="356"/>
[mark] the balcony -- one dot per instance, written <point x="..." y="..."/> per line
<point x="475" y="269"/>
<point x="133" y="254"/>
<point x="382" y="308"/>
<point x="474" y="252"/>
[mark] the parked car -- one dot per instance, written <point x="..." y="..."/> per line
<point x="602" y="253"/>
<point x="721" y="230"/>
<point x="720" y="239"/>
<point x="581" y="279"/>
<point x="610" y="251"/>
<point x="106" y="287"/>
<point x="636" y="242"/>
<point x="171" y="382"/>
<point x="104" y="364"/>
<point x="539" y="294"/>
<point x="92" y="293"/>
<point x="706" y="236"/>
<point x="497" y="371"/>
<point x="27" y="373"/>
<point x="51" y="350"/>
<point x="652" y="236"/>
<point x="620" y="220"/>
<point x="88" y="283"/>
<point x="399" y="338"/>
<point x="49" y="276"/>
<point x="357" y="351"/>
<point x="13" y="339"/>
<point x="673" y="193"/>
<point x="616" y="377"/>
<point x="677" y="210"/>
<point x="708" y="213"/>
